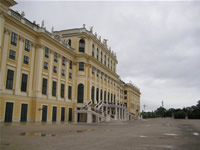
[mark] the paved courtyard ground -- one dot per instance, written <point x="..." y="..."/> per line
<point x="151" y="134"/>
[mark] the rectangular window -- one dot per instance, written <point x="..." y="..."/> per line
<point x="55" y="57"/>
<point x="81" y="66"/>
<point x="27" y="45"/>
<point x="70" y="75"/>
<point x="44" y="86"/>
<point x="54" y="69"/>
<point x="63" y="72"/>
<point x="46" y="52"/>
<point x="26" y="60"/>
<point x="101" y="57"/>
<point x="12" y="54"/>
<point x="70" y="92"/>
<point x="63" y="61"/>
<point x="101" y="75"/>
<point x="125" y="91"/>
<point x="10" y="78"/>
<point x="46" y="65"/>
<point x="24" y="82"/>
<point x="97" y="54"/>
<point x="97" y="73"/>
<point x="125" y="97"/>
<point x="14" y="39"/>
<point x="105" y="60"/>
<point x="70" y="64"/>
<point x="62" y="90"/>
<point x="54" y="88"/>
<point x="108" y="63"/>
<point x="92" y="70"/>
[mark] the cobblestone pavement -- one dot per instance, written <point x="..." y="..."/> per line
<point x="151" y="134"/>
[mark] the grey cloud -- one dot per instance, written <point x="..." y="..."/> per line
<point x="157" y="43"/>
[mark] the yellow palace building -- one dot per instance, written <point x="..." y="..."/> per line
<point x="67" y="75"/>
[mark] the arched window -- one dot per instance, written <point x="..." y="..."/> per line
<point x="82" y="46"/>
<point x="80" y="93"/>
<point x="97" y="95"/>
<point x="69" y="42"/>
<point x="92" y="94"/>
<point x="92" y="50"/>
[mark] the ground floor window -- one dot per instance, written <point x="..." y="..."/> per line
<point x="9" y="112"/>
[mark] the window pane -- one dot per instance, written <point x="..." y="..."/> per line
<point x="10" y="77"/>
<point x="24" y="82"/>
<point x="44" y="86"/>
<point x="69" y="92"/>
<point x="12" y="54"/>
<point x="54" y="88"/>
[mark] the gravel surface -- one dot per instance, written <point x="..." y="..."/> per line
<point x="150" y="134"/>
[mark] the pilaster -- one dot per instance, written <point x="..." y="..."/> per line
<point x="49" y="89"/>
<point x="59" y="73"/>
<point x="19" y="64"/>
<point x="2" y="22"/>
<point x="37" y="84"/>
<point x="3" y="59"/>
<point x="31" y="69"/>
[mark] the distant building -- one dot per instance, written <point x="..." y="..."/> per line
<point x="67" y="75"/>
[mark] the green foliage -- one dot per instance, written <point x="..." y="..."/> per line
<point x="192" y="112"/>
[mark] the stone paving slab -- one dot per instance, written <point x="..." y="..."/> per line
<point x="150" y="134"/>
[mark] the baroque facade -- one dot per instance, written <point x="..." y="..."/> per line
<point x="67" y="75"/>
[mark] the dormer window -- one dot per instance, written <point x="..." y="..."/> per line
<point x="82" y="46"/>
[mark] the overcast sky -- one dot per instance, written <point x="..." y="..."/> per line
<point x="157" y="43"/>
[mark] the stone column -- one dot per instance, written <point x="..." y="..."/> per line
<point x="4" y="58"/>
<point x="89" y="115"/>
<point x="19" y="64"/>
<point x="75" y="117"/>
<point x="59" y="74"/>
<point x="115" y="112"/>
<point x="49" y="88"/>
<point x="95" y="80"/>
<point x="31" y="69"/>
<point x="120" y="113"/>
<point x="38" y="71"/>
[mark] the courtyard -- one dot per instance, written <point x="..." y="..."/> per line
<point x="150" y="134"/>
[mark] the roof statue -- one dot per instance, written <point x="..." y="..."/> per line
<point x="91" y="29"/>
<point x="23" y="14"/>
<point x="42" y="25"/>
<point x="52" y="29"/>
<point x="105" y="41"/>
